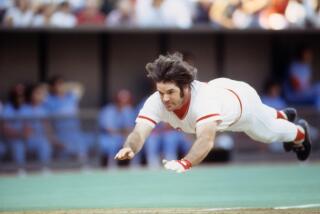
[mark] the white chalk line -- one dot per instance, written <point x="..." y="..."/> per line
<point x="297" y="206"/>
<point x="277" y="208"/>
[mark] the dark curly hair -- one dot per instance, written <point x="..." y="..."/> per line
<point x="171" y="68"/>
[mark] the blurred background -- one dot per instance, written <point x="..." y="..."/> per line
<point x="72" y="76"/>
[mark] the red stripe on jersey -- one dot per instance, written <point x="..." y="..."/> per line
<point x="147" y="118"/>
<point x="207" y="116"/>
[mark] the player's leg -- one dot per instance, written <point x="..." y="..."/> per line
<point x="19" y="154"/>
<point x="115" y="143"/>
<point x="289" y="114"/>
<point x="41" y="146"/>
<point x="44" y="152"/>
<point x="268" y="130"/>
<point x="108" y="148"/>
<point x="266" y="126"/>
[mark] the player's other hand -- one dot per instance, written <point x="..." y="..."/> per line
<point x="124" y="154"/>
<point x="177" y="166"/>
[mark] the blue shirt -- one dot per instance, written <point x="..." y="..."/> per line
<point x="275" y="102"/>
<point x="64" y="109"/>
<point x="114" y="118"/>
<point x="302" y="73"/>
<point x="35" y="119"/>
<point x="13" y="117"/>
<point x="62" y="105"/>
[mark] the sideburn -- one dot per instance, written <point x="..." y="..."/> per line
<point x="181" y="92"/>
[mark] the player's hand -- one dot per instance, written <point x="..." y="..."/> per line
<point x="177" y="165"/>
<point x="124" y="154"/>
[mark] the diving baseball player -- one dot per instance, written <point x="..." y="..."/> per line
<point x="207" y="108"/>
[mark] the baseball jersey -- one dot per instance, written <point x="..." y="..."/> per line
<point x="13" y="117"/>
<point x="212" y="101"/>
<point x="35" y="116"/>
<point x="113" y="118"/>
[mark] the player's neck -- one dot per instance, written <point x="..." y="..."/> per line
<point x="187" y="97"/>
<point x="182" y="110"/>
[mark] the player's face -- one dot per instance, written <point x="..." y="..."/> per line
<point x="170" y="95"/>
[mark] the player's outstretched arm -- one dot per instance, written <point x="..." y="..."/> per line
<point x="204" y="143"/>
<point x="134" y="141"/>
<point x="199" y="150"/>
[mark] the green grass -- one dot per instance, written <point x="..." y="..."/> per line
<point x="251" y="186"/>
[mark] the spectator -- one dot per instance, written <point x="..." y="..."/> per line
<point x="247" y="13"/>
<point x="62" y="104"/>
<point x="221" y="12"/>
<point x="315" y="14"/>
<point x="299" y="88"/>
<point x="4" y="5"/>
<point x="63" y="17"/>
<point x="273" y="16"/>
<point x="201" y="15"/>
<point x="107" y="6"/>
<point x="236" y="13"/>
<point x="43" y="15"/>
<point x="272" y="95"/>
<point x="115" y="121"/>
<point x="231" y="14"/>
<point x="91" y="15"/>
<point x="76" y="5"/>
<point x="20" y="15"/>
<point x="296" y="13"/>
<point x="164" y="13"/>
<point x="123" y="14"/>
<point x="14" y="128"/>
<point x="37" y="124"/>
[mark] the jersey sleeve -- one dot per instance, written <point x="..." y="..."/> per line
<point x="207" y="109"/>
<point x="151" y="112"/>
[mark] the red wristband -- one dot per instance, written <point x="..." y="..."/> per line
<point x="185" y="163"/>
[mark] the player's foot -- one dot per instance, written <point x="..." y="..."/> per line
<point x="303" y="151"/>
<point x="291" y="114"/>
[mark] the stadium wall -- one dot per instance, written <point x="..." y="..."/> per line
<point x="107" y="61"/>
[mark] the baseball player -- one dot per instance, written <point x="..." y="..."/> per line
<point x="207" y="108"/>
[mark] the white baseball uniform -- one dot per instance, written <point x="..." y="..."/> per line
<point x="235" y="105"/>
